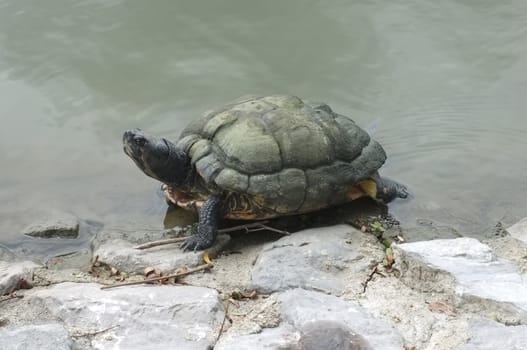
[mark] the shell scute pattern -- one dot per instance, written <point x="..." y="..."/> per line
<point x="292" y="155"/>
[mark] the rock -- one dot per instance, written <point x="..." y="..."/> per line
<point x="144" y="317"/>
<point x="467" y="268"/>
<point x="311" y="259"/>
<point x="519" y="230"/>
<point x="136" y="236"/>
<point x="490" y="335"/>
<point x="58" y="224"/>
<point x="301" y="307"/>
<point x="6" y="254"/>
<point x="42" y="337"/>
<point x="284" y="337"/>
<point x="312" y="320"/>
<point x="330" y="335"/>
<point x="167" y="258"/>
<point x="16" y="275"/>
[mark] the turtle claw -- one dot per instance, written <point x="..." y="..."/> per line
<point x="195" y="243"/>
<point x="190" y="244"/>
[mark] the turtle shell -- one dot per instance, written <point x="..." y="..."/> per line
<point x="287" y="155"/>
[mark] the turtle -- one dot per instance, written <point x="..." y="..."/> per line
<point x="262" y="157"/>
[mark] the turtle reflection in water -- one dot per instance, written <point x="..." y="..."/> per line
<point x="263" y="157"/>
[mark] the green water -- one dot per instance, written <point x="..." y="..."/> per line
<point x="441" y="84"/>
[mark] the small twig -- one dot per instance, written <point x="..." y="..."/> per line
<point x="176" y="275"/>
<point x="370" y="277"/>
<point x="160" y="242"/>
<point x="94" y="261"/>
<point x="11" y="297"/>
<point x="252" y="227"/>
<point x="223" y="323"/>
<point x="89" y="334"/>
<point x="246" y="227"/>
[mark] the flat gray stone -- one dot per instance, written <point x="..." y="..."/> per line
<point x="41" y="337"/>
<point x="313" y="320"/>
<point x="14" y="275"/>
<point x="122" y="255"/>
<point x="519" y="230"/>
<point x="468" y="267"/>
<point x="490" y="335"/>
<point x="144" y="317"/>
<point x="57" y="224"/>
<point x="301" y="307"/>
<point x="311" y="259"/>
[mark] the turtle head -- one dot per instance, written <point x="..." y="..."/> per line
<point x="156" y="157"/>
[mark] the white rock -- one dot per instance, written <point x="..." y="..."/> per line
<point x="12" y="273"/>
<point x="144" y="317"/>
<point x="476" y="271"/>
<point x="490" y="335"/>
<point x="41" y="337"/>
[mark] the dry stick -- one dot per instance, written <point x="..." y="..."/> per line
<point x="160" y="242"/>
<point x="176" y="275"/>
<point x="11" y="297"/>
<point x="370" y="277"/>
<point x="255" y="226"/>
<point x="223" y="323"/>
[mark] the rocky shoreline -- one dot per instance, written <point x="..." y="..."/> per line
<point x="331" y="287"/>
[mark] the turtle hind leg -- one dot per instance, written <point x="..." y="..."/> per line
<point x="388" y="190"/>
<point x="209" y="215"/>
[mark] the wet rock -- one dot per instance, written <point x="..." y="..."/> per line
<point x="122" y="255"/>
<point x="490" y="335"/>
<point x="138" y="317"/>
<point x="6" y="254"/>
<point x="57" y="224"/>
<point x="312" y="259"/>
<point x="16" y="275"/>
<point x="468" y="269"/>
<point x="519" y="230"/>
<point x="42" y="337"/>
<point x="312" y="320"/>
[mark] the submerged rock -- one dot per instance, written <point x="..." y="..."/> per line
<point x="57" y="224"/>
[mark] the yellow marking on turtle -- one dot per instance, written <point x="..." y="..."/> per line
<point x="366" y="187"/>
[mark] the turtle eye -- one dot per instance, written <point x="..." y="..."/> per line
<point x="140" y="141"/>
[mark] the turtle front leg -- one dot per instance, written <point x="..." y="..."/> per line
<point x="209" y="216"/>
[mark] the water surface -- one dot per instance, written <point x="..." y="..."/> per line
<point x="441" y="85"/>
